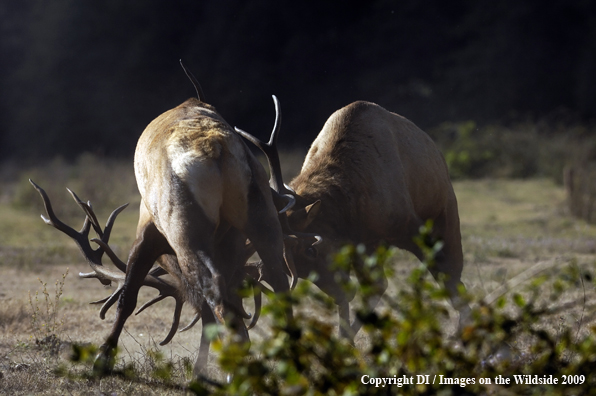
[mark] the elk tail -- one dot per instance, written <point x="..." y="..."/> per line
<point x="195" y="83"/>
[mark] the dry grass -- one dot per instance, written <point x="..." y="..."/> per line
<point x="507" y="226"/>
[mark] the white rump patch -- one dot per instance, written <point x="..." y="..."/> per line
<point x="202" y="177"/>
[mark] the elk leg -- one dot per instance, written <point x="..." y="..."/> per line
<point x="203" y="358"/>
<point x="205" y="289"/>
<point x="372" y="303"/>
<point x="326" y="281"/>
<point x="275" y="276"/>
<point x="345" y="330"/>
<point x="453" y="284"/>
<point x="377" y="279"/>
<point x="204" y="272"/>
<point x="148" y="246"/>
<point x="231" y="257"/>
<point x="450" y="261"/>
<point x="264" y="231"/>
<point x="448" y="264"/>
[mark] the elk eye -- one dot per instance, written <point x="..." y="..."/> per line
<point x="311" y="252"/>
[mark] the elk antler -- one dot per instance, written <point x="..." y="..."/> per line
<point x="278" y="189"/>
<point x="270" y="150"/>
<point x="104" y="274"/>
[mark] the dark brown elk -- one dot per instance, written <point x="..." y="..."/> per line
<point x="370" y="177"/>
<point x="203" y="194"/>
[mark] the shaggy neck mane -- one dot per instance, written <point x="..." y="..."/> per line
<point x="332" y="181"/>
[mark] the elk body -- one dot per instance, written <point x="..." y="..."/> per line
<point x="203" y="194"/>
<point x="372" y="177"/>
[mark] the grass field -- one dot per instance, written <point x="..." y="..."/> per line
<point x="508" y="227"/>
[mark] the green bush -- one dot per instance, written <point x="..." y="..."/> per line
<point x="304" y="356"/>
<point x="521" y="150"/>
<point x="406" y="342"/>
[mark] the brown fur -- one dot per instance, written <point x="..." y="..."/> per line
<point x="378" y="178"/>
<point x="203" y="193"/>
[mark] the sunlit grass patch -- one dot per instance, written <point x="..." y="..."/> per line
<point x="508" y="227"/>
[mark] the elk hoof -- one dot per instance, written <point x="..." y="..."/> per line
<point x="104" y="361"/>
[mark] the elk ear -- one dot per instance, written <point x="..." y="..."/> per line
<point x="312" y="211"/>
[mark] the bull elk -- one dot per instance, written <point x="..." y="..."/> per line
<point x="203" y="193"/>
<point x="370" y="177"/>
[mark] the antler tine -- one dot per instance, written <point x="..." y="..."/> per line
<point x="104" y="274"/>
<point x="259" y="289"/>
<point x="257" y="314"/>
<point x="86" y="206"/>
<point x="88" y="209"/>
<point x="52" y="219"/>
<point x="111" y="300"/>
<point x="121" y="265"/>
<point x="110" y="223"/>
<point x="192" y="322"/>
<point x="103" y="300"/>
<point x="277" y="123"/>
<point x="150" y="303"/>
<point x="278" y="189"/>
<point x="177" y="312"/>
<point x="157" y="271"/>
<point x="175" y="323"/>
<point x="304" y="235"/>
<point x="280" y="199"/>
<point x="80" y="237"/>
<point x="270" y="151"/>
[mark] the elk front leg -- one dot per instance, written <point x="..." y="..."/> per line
<point x="345" y="331"/>
<point x="327" y="281"/>
<point x="148" y="246"/>
<point x="380" y="286"/>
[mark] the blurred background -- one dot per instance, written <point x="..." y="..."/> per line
<point x="89" y="76"/>
<point x="507" y="89"/>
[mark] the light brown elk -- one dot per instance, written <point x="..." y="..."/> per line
<point x="370" y="177"/>
<point x="203" y="194"/>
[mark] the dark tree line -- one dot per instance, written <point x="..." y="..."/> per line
<point x="81" y="76"/>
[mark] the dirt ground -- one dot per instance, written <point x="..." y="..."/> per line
<point x="508" y="227"/>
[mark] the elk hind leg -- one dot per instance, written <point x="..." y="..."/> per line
<point x="449" y="262"/>
<point x="146" y="249"/>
